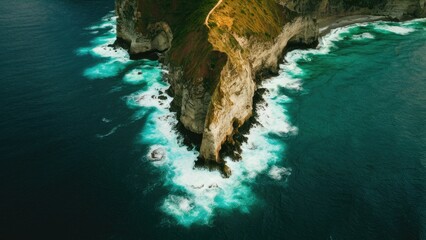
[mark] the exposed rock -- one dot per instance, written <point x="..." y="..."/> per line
<point x="198" y="187"/>
<point x="214" y="69"/>
<point x="157" y="154"/>
<point x="155" y="38"/>
<point x="214" y="186"/>
<point x="195" y="100"/>
<point x="232" y="102"/>
<point x="226" y="171"/>
<point x="162" y="97"/>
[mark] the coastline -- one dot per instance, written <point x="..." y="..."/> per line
<point x="326" y="25"/>
<point x="233" y="150"/>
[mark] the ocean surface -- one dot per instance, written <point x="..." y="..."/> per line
<point x="338" y="150"/>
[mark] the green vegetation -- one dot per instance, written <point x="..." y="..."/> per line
<point x="256" y="18"/>
<point x="182" y="16"/>
<point x="202" y="51"/>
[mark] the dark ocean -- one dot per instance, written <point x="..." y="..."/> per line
<point x="338" y="151"/>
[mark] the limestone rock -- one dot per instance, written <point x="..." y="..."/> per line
<point x="157" y="154"/>
<point x="156" y="37"/>
<point x="226" y="171"/>
<point x="217" y="57"/>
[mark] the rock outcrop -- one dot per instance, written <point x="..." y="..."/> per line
<point x="218" y="50"/>
<point x="141" y="41"/>
<point x="157" y="154"/>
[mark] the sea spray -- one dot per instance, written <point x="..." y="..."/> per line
<point x="195" y="195"/>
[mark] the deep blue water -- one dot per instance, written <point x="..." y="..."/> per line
<point x="341" y="153"/>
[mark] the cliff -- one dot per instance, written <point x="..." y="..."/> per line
<point x="218" y="50"/>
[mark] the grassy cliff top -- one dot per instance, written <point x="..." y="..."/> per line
<point x="203" y="49"/>
<point x="182" y="16"/>
<point x="250" y="18"/>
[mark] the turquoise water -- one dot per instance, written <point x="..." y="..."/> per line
<point x="359" y="156"/>
<point x="342" y="82"/>
<point x="338" y="151"/>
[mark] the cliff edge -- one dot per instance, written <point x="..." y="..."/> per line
<point x="217" y="51"/>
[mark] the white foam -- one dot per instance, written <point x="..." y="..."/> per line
<point x="418" y="24"/>
<point x="105" y="70"/>
<point x="105" y="51"/>
<point x="157" y="161"/>
<point x="395" y="29"/>
<point x="144" y="74"/>
<point x="116" y="58"/>
<point x="134" y="77"/>
<point x="278" y="173"/>
<point x="150" y="97"/>
<point x="196" y="194"/>
<point x="110" y="24"/>
<point x="326" y="44"/>
<point x="363" y="36"/>
<point x="109" y="21"/>
<point x="200" y="192"/>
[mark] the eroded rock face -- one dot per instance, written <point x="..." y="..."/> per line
<point x="157" y="154"/>
<point x="213" y="68"/>
<point x="146" y="38"/>
<point x="232" y="102"/>
<point x="158" y="39"/>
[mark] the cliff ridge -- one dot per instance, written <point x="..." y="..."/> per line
<point x="217" y="51"/>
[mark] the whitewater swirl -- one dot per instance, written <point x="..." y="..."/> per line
<point x="196" y="195"/>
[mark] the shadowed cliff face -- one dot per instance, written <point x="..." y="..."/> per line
<point x="216" y="50"/>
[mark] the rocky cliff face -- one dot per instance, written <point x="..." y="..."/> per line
<point x="141" y="39"/>
<point x="217" y="50"/>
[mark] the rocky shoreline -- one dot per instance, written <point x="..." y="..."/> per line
<point x="327" y="25"/>
<point x="233" y="150"/>
<point x="217" y="63"/>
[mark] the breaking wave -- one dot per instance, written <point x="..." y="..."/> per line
<point x="195" y="195"/>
